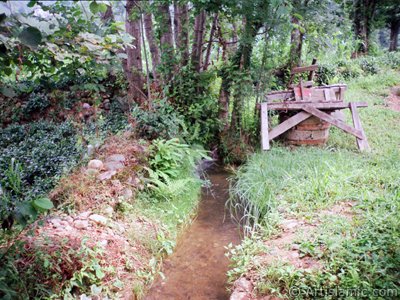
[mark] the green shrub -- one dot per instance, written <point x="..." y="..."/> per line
<point x="161" y="121"/>
<point x="37" y="102"/>
<point x="326" y="73"/>
<point x="369" y="65"/>
<point x="44" y="150"/>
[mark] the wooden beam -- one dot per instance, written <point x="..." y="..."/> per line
<point x="324" y="116"/>
<point x="362" y="143"/>
<point x="298" y="105"/>
<point x="304" y="69"/>
<point x="264" y="127"/>
<point x="289" y="123"/>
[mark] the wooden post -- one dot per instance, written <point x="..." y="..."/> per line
<point x="264" y="127"/>
<point x="362" y="143"/>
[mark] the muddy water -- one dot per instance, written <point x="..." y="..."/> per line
<point x="197" y="269"/>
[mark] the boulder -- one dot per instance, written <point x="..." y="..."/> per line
<point x="81" y="224"/>
<point x="95" y="164"/>
<point x="98" y="219"/>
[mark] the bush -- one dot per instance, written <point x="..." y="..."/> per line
<point x="160" y="122"/>
<point x="326" y="73"/>
<point x="45" y="151"/>
<point x="369" y="65"/>
<point x="37" y="102"/>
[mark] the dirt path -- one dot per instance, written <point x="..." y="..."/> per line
<point x="393" y="101"/>
<point x="197" y="269"/>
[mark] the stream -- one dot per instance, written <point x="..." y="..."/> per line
<point x="197" y="269"/>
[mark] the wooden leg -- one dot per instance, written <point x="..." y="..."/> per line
<point x="264" y="127"/>
<point x="362" y="143"/>
<point x="324" y="116"/>
<point x="289" y="123"/>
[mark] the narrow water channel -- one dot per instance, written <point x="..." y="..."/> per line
<point x="197" y="269"/>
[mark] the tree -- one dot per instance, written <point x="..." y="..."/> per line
<point x="363" y="17"/>
<point x="133" y="64"/>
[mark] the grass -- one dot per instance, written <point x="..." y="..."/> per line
<point x="360" y="253"/>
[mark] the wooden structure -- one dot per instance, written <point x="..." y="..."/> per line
<point x="304" y="102"/>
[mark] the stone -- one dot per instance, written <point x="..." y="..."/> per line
<point x="128" y="194"/>
<point x="98" y="219"/>
<point x="90" y="150"/>
<point x="243" y="285"/>
<point x="115" y="158"/>
<point x="113" y="166"/>
<point x="81" y="224"/>
<point x="103" y="243"/>
<point x="92" y="172"/>
<point x="109" y="211"/>
<point x="106" y="175"/>
<point x="95" y="164"/>
<point x="84" y="215"/>
<point x="86" y="105"/>
<point x="236" y="295"/>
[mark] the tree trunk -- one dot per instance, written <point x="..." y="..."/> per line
<point x="242" y="59"/>
<point x="183" y="38"/>
<point x="210" y="41"/>
<point x="296" y="44"/>
<point x="394" y="35"/>
<point x="166" y="42"/>
<point x="199" y="25"/>
<point x="177" y="25"/>
<point x="154" y="52"/>
<point x="364" y="11"/>
<point x="133" y="65"/>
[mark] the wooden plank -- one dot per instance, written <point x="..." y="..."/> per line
<point x="279" y="95"/>
<point x="324" y="116"/>
<point x="305" y="84"/>
<point x="312" y="73"/>
<point x="289" y="123"/>
<point x="264" y="127"/>
<point x="297" y="105"/>
<point x="304" y="69"/>
<point x="362" y="143"/>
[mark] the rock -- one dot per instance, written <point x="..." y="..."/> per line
<point x="90" y="150"/>
<point x="109" y="211"/>
<point x="236" y="295"/>
<point x="106" y="175"/>
<point x="86" y="105"/>
<point x="295" y="247"/>
<point x="69" y="219"/>
<point x="243" y="285"/>
<point x="98" y="219"/>
<point x="103" y="243"/>
<point x="95" y="164"/>
<point x="106" y="104"/>
<point x="115" y="158"/>
<point x="56" y="222"/>
<point x="84" y="215"/>
<point x="81" y="224"/>
<point x="128" y="194"/>
<point x="290" y="224"/>
<point x="113" y="166"/>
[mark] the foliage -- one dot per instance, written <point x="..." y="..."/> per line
<point x="161" y="121"/>
<point x="168" y="161"/>
<point x="33" y="271"/>
<point x="195" y="97"/>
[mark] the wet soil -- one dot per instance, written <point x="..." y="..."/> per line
<point x="197" y="269"/>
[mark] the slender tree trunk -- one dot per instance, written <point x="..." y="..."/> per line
<point x="183" y="37"/>
<point x="177" y="25"/>
<point x="224" y="93"/>
<point x="154" y="52"/>
<point x="394" y="35"/>
<point x="364" y="11"/>
<point x="166" y="42"/>
<point x="199" y="26"/>
<point x="210" y="41"/>
<point x="296" y="44"/>
<point x="133" y="66"/>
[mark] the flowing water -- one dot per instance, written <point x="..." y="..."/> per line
<point x="197" y="269"/>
